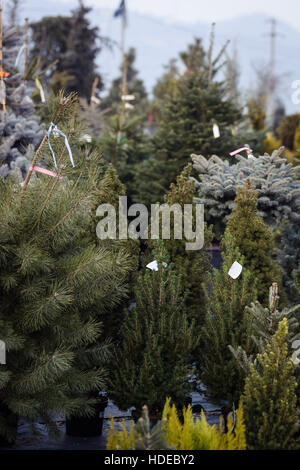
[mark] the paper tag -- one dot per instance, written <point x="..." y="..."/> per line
<point x="235" y="270"/>
<point x="2" y="92"/>
<point x="128" y="97"/>
<point x="2" y="352"/>
<point x="154" y="265"/>
<point x="216" y="131"/>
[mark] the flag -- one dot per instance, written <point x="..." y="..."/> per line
<point x="121" y="11"/>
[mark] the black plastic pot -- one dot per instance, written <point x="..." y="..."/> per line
<point x="87" y="427"/>
<point x="12" y="422"/>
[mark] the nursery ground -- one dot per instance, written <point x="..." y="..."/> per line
<point x="26" y="441"/>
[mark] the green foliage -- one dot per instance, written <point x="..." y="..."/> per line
<point x="20" y="129"/>
<point x="125" y="145"/>
<point x="154" y="352"/>
<point x="287" y="130"/>
<point x="135" y="86"/>
<point x="170" y="433"/>
<point x="55" y="287"/>
<point x="270" y="397"/>
<point x="193" y="266"/>
<point x="271" y="175"/>
<point x="226" y="323"/>
<point x="254" y="241"/>
<point x="265" y="324"/>
<point x="73" y="43"/>
<point x="108" y="191"/>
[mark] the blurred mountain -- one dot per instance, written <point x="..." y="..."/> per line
<point x="156" y="42"/>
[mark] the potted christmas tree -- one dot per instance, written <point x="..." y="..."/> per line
<point x="156" y="343"/>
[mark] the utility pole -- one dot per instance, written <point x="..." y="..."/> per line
<point x="272" y="76"/>
<point x="26" y="44"/>
<point x="272" y="86"/>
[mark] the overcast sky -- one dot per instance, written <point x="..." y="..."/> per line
<point x="208" y="11"/>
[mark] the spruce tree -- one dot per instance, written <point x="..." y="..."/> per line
<point x="74" y="45"/>
<point x="272" y="176"/>
<point x="55" y="287"/>
<point x="254" y="241"/>
<point x="20" y="128"/>
<point x="187" y="121"/>
<point x="226" y="323"/>
<point x="270" y="398"/>
<point x="154" y="351"/>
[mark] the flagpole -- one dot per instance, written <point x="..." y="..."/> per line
<point x="124" y="76"/>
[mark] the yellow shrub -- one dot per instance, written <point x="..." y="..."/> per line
<point x="191" y="435"/>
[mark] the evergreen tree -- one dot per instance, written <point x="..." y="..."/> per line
<point x="135" y="86"/>
<point x="193" y="266"/>
<point x="270" y="397"/>
<point x="54" y="289"/>
<point x="289" y="256"/>
<point x="287" y="130"/>
<point x="108" y="192"/>
<point x="20" y="129"/>
<point x="254" y="241"/>
<point x="156" y="344"/>
<point x="271" y="175"/>
<point x="265" y="324"/>
<point x="74" y="44"/>
<point x="125" y="145"/>
<point x="164" y="90"/>
<point x="226" y="323"/>
<point x="187" y="120"/>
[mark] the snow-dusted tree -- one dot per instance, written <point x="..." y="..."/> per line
<point x="271" y="175"/>
<point x="20" y="129"/>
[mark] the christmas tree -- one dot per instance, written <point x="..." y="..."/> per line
<point x="270" y="397"/>
<point x="186" y="127"/>
<point x="265" y="324"/>
<point x="271" y="175"/>
<point x="226" y="323"/>
<point x="20" y="128"/>
<point x="124" y="144"/>
<point x="155" y="345"/>
<point x="55" y="288"/>
<point x="109" y="190"/>
<point x="74" y="45"/>
<point x="134" y="87"/>
<point x="254" y="241"/>
<point x="193" y="266"/>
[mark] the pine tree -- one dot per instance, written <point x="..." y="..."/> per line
<point x="20" y="128"/>
<point x="108" y="191"/>
<point x="226" y="323"/>
<point x="156" y="344"/>
<point x="270" y="397"/>
<point x="55" y="288"/>
<point x="254" y="241"/>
